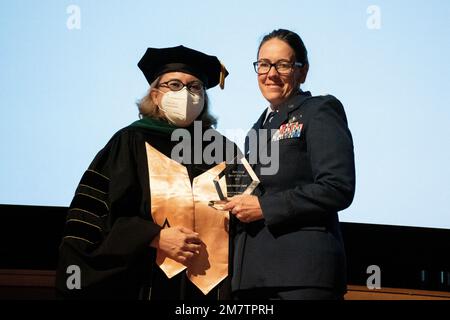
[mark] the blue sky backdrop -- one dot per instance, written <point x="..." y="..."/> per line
<point x="64" y="92"/>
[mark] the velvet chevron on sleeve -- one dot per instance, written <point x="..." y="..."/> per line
<point x="108" y="229"/>
<point x="109" y="226"/>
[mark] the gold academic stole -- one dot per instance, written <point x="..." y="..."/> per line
<point x="175" y="203"/>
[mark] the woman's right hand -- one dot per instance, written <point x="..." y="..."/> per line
<point x="178" y="243"/>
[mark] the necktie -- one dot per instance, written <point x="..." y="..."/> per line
<point x="269" y="119"/>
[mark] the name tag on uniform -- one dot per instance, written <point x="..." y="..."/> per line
<point x="287" y="131"/>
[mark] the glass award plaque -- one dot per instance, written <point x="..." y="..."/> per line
<point x="239" y="179"/>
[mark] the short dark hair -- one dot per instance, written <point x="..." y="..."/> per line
<point x="292" y="39"/>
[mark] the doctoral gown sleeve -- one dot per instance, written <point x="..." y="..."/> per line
<point x="108" y="228"/>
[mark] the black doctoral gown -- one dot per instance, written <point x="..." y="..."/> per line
<point x="109" y="225"/>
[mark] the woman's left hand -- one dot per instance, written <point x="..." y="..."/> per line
<point x="245" y="207"/>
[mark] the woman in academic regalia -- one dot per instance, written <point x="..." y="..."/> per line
<point x="138" y="225"/>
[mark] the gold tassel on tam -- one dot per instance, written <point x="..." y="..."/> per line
<point x="223" y="74"/>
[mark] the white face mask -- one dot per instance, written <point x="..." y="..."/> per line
<point x="181" y="108"/>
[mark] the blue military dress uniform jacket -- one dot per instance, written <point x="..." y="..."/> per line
<point x="298" y="243"/>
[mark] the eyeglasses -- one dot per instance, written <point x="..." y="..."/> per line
<point x="282" y="67"/>
<point x="177" y="85"/>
